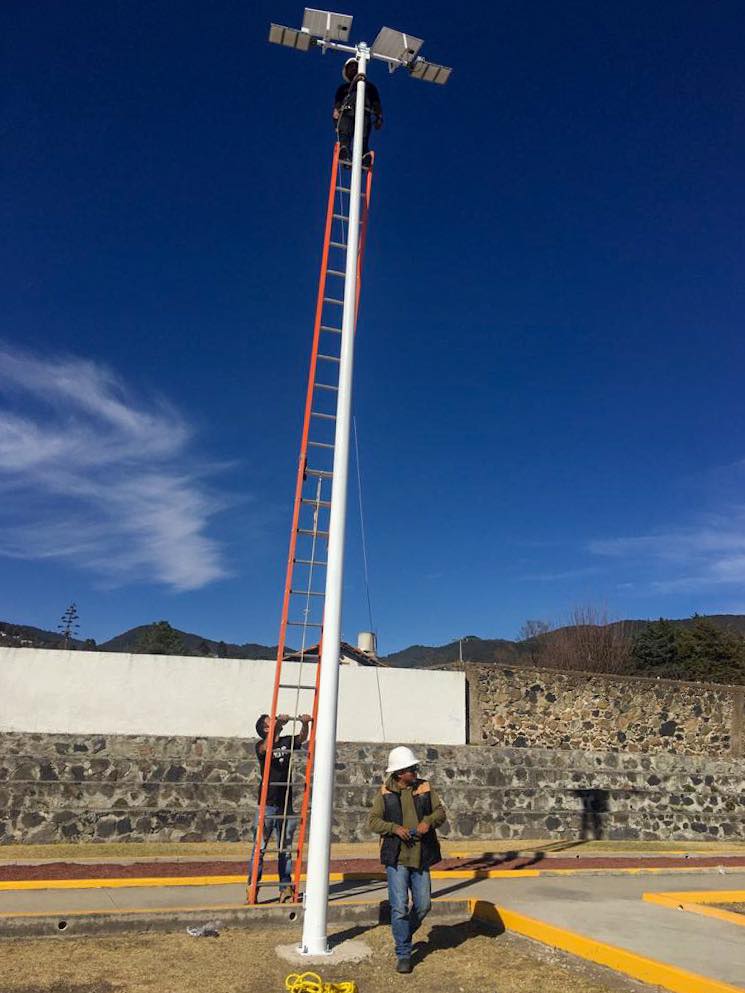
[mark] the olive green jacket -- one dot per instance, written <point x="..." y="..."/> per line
<point x="410" y="855"/>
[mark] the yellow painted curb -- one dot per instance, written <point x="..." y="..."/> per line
<point x="696" y="896"/>
<point x="698" y="901"/>
<point x="640" y="967"/>
<point x="334" y="877"/>
<point x="118" y="883"/>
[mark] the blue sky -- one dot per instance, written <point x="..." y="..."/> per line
<point x="550" y="348"/>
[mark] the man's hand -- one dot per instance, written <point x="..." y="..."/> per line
<point x="422" y="827"/>
<point x="305" y="718"/>
<point x="335" y="113"/>
<point x="402" y="833"/>
<point x="283" y="718"/>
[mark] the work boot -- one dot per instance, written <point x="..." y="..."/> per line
<point x="285" y="895"/>
<point x="367" y="160"/>
<point x="403" y="965"/>
<point x="344" y="154"/>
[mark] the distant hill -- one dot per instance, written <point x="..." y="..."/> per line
<point x="25" y="636"/>
<point x="195" y="644"/>
<point x="501" y="651"/>
<point x="474" y="649"/>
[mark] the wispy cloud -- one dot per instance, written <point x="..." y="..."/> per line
<point x="91" y="475"/>
<point x="556" y="577"/>
<point x="708" y="554"/>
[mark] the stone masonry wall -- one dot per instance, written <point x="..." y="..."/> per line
<point x="137" y="788"/>
<point x="528" y="707"/>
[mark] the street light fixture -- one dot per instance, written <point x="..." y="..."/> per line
<point x="327" y="30"/>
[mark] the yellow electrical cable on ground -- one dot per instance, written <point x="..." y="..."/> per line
<point x="311" y="982"/>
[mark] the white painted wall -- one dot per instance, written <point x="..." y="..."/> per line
<point x="46" y="690"/>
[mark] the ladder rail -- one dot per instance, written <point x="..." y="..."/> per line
<point x="292" y="589"/>
<point x="308" y="785"/>
<point x="259" y="833"/>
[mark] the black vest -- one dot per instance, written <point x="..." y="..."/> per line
<point x="391" y="844"/>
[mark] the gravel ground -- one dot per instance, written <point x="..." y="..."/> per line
<point x="452" y="958"/>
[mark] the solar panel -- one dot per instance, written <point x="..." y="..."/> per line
<point x="327" y="25"/>
<point x="290" y="37"/>
<point x="430" y="72"/>
<point x="393" y="44"/>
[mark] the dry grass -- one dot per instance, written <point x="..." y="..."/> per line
<point x="736" y="908"/>
<point x="230" y="850"/>
<point x="458" y="958"/>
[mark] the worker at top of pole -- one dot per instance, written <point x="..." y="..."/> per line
<point x="344" y="110"/>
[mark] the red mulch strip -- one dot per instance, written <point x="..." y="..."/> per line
<point x="104" y="870"/>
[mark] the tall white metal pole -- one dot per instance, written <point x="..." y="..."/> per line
<point x="319" y="841"/>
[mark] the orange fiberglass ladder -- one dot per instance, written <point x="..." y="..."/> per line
<point x="297" y="672"/>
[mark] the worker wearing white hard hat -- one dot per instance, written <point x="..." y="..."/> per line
<point x="406" y="814"/>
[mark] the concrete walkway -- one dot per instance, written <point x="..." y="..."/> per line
<point x="602" y="908"/>
<point x="610" y="909"/>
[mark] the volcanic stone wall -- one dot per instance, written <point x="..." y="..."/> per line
<point x="136" y="788"/>
<point x="529" y="707"/>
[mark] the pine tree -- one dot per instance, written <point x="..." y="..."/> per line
<point x="655" y="646"/>
<point x="161" y="639"/>
<point x="707" y="652"/>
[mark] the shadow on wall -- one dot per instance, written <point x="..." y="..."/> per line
<point x="595" y="803"/>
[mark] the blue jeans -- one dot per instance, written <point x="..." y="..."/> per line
<point x="273" y="823"/>
<point x="405" y="922"/>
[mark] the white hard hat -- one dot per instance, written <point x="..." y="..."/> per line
<point x="348" y="63"/>
<point x="400" y="758"/>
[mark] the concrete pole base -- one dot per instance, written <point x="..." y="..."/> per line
<point x="345" y="951"/>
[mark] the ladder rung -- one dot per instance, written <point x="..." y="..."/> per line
<point x="315" y="503"/>
<point x="346" y="189"/>
<point x="325" y="417"/>
<point x="295" y="686"/>
<point x="307" y="593"/>
<point x="319" y="444"/>
<point x="321" y="473"/>
<point x="336" y="272"/>
<point x="303" y="655"/>
<point x="310" y="562"/>
<point x="329" y="358"/>
<point x="338" y="244"/>
<point x="325" y="327"/>
<point x="340" y="217"/>
<point x="313" y="534"/>
<point x="338" y="303"/>
<point x="326" y="386"/>
<point x="306" y="624"/>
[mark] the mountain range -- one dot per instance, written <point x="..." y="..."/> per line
<point x="472" y="648"/>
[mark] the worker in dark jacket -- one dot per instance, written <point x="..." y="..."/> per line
<point x="344" y="112"/>
<point x="405" y="814"/>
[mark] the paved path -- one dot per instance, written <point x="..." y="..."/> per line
<point x="610" y="909"/>
<point x="604" y="908"/>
